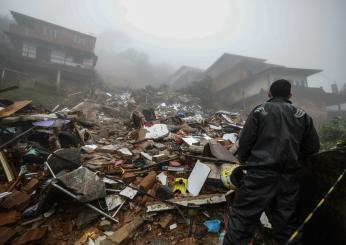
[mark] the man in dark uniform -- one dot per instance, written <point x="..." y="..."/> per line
<point x="276" y="135"/>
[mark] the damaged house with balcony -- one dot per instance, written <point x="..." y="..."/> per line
<point x="48" y="55"/>
<point x="240" y="83"/>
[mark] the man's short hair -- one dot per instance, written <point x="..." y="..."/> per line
<point x="280" y="88"/>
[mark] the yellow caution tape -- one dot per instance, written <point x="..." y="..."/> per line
<point x="296" y="232"/>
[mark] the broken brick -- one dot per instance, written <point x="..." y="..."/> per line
<point x="67" y="227"/>
<point x="31" y="236"/>
<point x="9" y="217"/>
<point x="126" y="231"/>
<point x="31" y="185"/>
<point x="129" y="177"/>
<point x="188" y="241"/>
<point x="6" y="234"/>
<point x="146" y="198"/>
<point x="17" y="199"/>
<point x="148" y="181"/>
<point x="165" y="221"/>
<point x="137" y="181"/>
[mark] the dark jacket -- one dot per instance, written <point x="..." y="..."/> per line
<point x="277" y="134"/>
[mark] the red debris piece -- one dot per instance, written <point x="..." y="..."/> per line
<point x="31" y="185"/>
<point x="16" y="200"/>
<point x="9" y="217"/>
<point x="6" y="234"/>
<point x="31" y="236"/>
<point x="166" y="220"/>
<point x="129" y="177"/>
<point x="148" y="181"/>
<point x="188" y="241"/>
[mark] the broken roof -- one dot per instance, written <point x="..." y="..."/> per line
<point x="231" y="69"/>
<point x="226" y="62"/>
<point x="23" y="19"/>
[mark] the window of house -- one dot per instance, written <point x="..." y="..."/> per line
<point x="50" y="32"/>
<point x="29" y="50"/>
<point x="78" y="39"/>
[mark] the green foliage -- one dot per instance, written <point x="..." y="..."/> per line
<point x="38" y="97"/>
<point x="332" y="133"/>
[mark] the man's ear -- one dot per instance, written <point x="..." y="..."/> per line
<point x="270" y="95"/>
<point x="290" y="96"/>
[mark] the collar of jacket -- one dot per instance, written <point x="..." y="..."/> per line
<point x="279" y="99"/>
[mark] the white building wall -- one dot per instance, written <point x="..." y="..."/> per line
<point x="243" y="90"/>
<point x="297" y="80"/>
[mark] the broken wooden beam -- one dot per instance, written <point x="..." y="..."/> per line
<point x="127" y="231"/>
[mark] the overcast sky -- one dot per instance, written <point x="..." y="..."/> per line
<point x="296" y="33"/>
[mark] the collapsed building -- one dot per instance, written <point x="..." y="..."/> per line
<point x="48" y="55"/>
<point x="240" y="83"/>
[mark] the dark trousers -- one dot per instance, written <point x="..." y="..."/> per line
<point x="263" y="190"/>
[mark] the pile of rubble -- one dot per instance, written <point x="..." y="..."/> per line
<point x="88" y="175"/>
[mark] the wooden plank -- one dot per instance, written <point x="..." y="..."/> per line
<point x="6" y="167"/>
<point x="127" y="231"/>
<point x="16" y="106"/>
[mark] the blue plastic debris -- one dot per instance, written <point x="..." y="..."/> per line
<point x="213" y="225"/>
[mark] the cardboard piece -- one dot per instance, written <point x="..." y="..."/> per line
<point x="190" y="141"/>
<point x="128" y="192"/>
<point x="197" y="178"/>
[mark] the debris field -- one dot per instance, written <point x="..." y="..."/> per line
<point x="116" y="171"/>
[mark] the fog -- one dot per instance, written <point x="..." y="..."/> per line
<point x="141" y="42"/>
